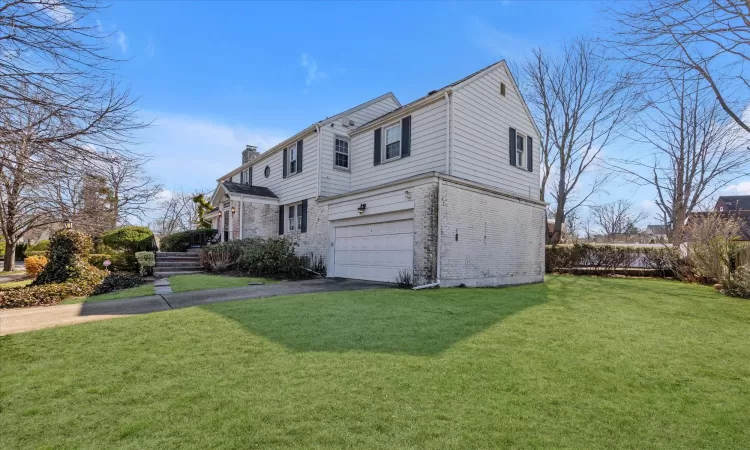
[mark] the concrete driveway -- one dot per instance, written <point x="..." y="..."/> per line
<point x="28" y="319"/>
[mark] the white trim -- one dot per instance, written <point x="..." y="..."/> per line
<point x="524" y="140"/>
<point x="254" y="199"/>
<point x="384" y="144"/>
<point x="338" y="137"/>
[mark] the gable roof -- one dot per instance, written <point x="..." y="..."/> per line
<point x="246" y="189"/>
<point x="456" y="84"/>
<point x="306" y="131"/>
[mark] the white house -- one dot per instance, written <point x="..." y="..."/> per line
<point x="445" y="187"/>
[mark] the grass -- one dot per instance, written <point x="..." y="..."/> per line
<point x="178" y="283"/>
<point x="201" y="281"/>
<point x="15" y="284"/>
<point x="577" y="362"/>
<point x="138" y="291"/>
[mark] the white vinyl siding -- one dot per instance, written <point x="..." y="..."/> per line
<point x="335" y="181"/>
<point x="428" y="146"/>
<point x="295" y="188"/>
<point x="481" y="121"/>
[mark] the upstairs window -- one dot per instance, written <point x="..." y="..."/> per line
<point x="341" y="152"/>
<point x="520" y="145"/>
<point x="292" y="159"/>
<point x="393" y="142"/>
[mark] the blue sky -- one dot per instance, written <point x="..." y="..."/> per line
<point x="215" y="76"/>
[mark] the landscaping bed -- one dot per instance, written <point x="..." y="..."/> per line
<point x="577" y="362"/>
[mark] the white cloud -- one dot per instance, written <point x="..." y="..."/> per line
<point x="741" y="188"/>
<point x="311" y="65"/>
<point x="497" y="43"/>
<point x="150" y="48"/>
<point x="99" y="26"/>
<point x="122" y="41"/>
<point x="57" y="11"/>
<point x="191" y="152"/>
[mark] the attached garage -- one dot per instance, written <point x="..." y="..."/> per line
<point x="375" y="251"/>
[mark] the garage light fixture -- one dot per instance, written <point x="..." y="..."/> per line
<point x="232" y="209"/>
<point x="361" y="208"/>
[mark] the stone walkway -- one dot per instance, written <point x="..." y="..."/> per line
<point x="161" y="286"/>
<point x="28" y="319"/>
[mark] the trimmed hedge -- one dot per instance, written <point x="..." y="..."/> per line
<point x="605" y="259"/>
<point x="127" y="241"/>
<point x="182" y="241"/>
<point x="37" y="253"/>
<point x="39" y="246"/>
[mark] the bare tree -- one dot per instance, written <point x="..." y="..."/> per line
<point x="179" y="213"/>
<point x="693" y="150"/>
<point x="582" y="107"/>
<point x="131" y="189"/>
<point x="59" y="108"/>
<point x="616" y="218"/>
<point x="706" y="40"/>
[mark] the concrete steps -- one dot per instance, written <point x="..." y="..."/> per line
<point x="176" y="263"/>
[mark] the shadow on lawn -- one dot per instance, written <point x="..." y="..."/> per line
<point x="388" y="321"/>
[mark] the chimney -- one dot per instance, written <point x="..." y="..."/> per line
<point x="250" y="153"/>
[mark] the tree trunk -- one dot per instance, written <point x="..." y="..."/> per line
<point x="9" y="263"/>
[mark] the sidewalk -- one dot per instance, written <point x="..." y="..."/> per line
<point x="28" y="319"/>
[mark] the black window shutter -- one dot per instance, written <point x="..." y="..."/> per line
<point x="281" y="219"/>
<point x="406" y="136"/>
<point x="530" y="153"/>
<point x="512" y="146"/>
<point x="250" y="176"/>
<point x="299" y="156"/>
<point x="283" y="171"/>
<point x="242" y="177"/>
<point x="304" y="216"/>
<point x="376" y="153"/>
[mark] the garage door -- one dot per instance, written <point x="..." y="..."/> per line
<point x="376" y="251"/>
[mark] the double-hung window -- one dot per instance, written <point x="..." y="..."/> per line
<point x="292" y="159"/>
<point x="393" y="142"/>
<point x="294" y="221"/>
<point x="341" y="152"/>
<point x="520" y="146"/>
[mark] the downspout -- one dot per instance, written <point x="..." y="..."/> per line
<point x="437" y="278"/>
<point x="317" y="131"/>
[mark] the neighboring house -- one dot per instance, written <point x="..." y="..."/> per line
<point x="655" y="233"/>
<point x="445" y="188"/>
<point x="737" y="206"/>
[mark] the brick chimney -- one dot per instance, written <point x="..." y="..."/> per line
<point x="250" y="153"/>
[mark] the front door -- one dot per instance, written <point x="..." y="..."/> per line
<point x="226" y="225"/>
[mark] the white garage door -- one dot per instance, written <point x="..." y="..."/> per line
<point x="376" y="251"/>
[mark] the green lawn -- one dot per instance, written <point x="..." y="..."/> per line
<point x="15" y="284"/>
<point x="201" y="281"/>
<point x="138" y="291"/>
<point x="179" y="283"/>
<point x="577" y="362"/>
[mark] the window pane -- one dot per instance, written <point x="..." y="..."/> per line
<point x="519" y="159"/>
<point x="393" y="134"/>
<point x="393" y="150"/>
<point x="519" y="143"/>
